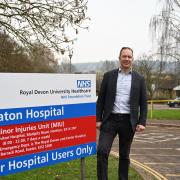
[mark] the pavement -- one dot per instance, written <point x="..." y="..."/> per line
<point x="155" y="152"/>
<point x="169" y="123"/>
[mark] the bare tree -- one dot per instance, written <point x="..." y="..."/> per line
<point x="166" y="30"/>
<point x="108" y="65"/>
<point x="42" y="59"/>
<point x="145" y="65"/>
<point x="43" y="21"/>
<point x="64" y="66"/>
<point x="15" y="58"/>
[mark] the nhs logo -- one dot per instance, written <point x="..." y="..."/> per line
<point x="83" y="83"/>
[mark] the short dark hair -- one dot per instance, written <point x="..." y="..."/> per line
<point x="123" y="48"/>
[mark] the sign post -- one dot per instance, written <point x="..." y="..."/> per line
<point x="83" y="169"/>
<point x="46" y="119"/>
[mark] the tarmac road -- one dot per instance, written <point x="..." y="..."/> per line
<point x="158" y="148"/>
<point x="162" y="106"/>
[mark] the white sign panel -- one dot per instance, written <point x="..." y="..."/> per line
<point x="45" y="119"/>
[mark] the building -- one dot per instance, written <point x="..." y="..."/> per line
<point x="177" y="89"/>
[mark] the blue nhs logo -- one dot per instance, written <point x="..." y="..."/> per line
<point x="83" y="83"/>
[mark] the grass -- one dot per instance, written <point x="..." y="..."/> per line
<point x="165" y="114"/>
<point x="70" y="171"/>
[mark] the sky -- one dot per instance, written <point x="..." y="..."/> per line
<point x="115" y="24"/>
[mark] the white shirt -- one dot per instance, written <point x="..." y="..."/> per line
<point x="122" y="99"/>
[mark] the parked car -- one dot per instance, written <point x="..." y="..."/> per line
<point x="174" y="103"/>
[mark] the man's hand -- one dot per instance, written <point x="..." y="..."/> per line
<point x="98" y="125"/>
<point x="139" y="128"/>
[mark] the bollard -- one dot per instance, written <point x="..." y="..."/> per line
<point x="151" y="108"/>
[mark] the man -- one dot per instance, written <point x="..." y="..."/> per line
<point x="122" y="110"/>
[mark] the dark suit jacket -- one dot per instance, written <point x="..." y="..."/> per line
<point x="138" y="98"/>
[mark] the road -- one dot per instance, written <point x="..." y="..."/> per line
<point x="162" y="106"/>
<point x="158" y="148"/>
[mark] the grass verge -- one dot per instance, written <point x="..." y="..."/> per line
<point x="165" y="114"/>
<point x="70" y="171"/>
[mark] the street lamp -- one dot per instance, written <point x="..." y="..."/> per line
<point x="70" y="56"/>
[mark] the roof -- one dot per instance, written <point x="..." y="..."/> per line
<point x="177" y="88"/>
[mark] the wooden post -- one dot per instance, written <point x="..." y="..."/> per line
<point x="83" y="169"/>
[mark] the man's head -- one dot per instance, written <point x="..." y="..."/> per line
<point x="126" y="58"/>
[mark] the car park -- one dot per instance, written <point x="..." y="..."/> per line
<point x="175" y="102"/>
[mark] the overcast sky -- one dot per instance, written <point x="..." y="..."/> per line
<point x="115" y="24"/>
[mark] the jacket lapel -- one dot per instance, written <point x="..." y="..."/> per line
<point x="132" y="84"/>
<point x="114" y="81"/>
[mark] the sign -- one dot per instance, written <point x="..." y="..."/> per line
<point x="45" y="119"/>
